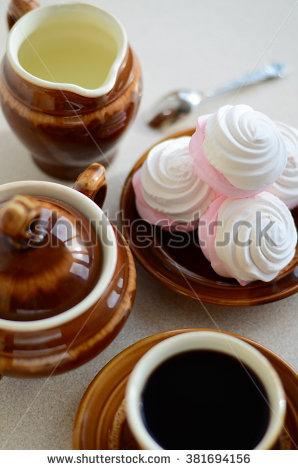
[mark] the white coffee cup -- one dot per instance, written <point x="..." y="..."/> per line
<point x="211" y="341"/>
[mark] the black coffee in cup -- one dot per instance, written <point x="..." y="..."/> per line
<point x="205" y="400"/>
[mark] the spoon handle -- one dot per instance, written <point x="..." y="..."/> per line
<point x="274" y="70"/>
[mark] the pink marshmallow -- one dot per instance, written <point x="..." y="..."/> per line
<point x="207" y="234"/>
<point x="207" y="172"/>
<point x="154" y="217"/>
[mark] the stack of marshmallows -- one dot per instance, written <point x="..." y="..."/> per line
<point x="235" y="181"/>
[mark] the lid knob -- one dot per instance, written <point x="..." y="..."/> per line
<point x="16" y="218"/>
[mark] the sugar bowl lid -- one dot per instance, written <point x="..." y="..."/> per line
<point x="50" y="258"/>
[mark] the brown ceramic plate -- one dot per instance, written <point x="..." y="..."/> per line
<point x="101" y="422"/>
<point x="186" y="270"/>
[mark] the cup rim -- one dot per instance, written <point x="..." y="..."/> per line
<point x="41" y="12"/>
<point x="101" y="225"/>
<point x="206" y="340"/>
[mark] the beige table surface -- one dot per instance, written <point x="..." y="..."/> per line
<point x="190" y="43"/>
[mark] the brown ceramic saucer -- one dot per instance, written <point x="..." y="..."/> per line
<point x="101" y="423"/>
<point x="186" y="270"/>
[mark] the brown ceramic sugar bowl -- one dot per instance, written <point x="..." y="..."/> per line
<point x="67" y="276"/>
<point x="70" y="84"/>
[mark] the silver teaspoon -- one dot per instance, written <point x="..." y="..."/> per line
<point x="178" y="104"/>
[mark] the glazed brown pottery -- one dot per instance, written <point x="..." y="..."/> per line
<point x="186" y="270"/>
<point x="67" y="127"/>
<point x="67" y="276"/>
<point x="41" y="273"/>
<point x="101" y="422"/>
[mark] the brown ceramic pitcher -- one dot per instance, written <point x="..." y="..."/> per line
<point x="70" y="84"/>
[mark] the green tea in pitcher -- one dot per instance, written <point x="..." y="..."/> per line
<point x="69" y="50"/>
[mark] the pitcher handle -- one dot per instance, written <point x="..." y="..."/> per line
<point x="92" y="183"/>
<point x="18" y="8"/>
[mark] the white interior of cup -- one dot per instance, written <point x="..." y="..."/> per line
<point x="80" y="12"/>
<point x="214" y="341"/>
<point x="103" y="229"/>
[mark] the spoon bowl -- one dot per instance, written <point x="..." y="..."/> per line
<point x="178" y="104"/>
